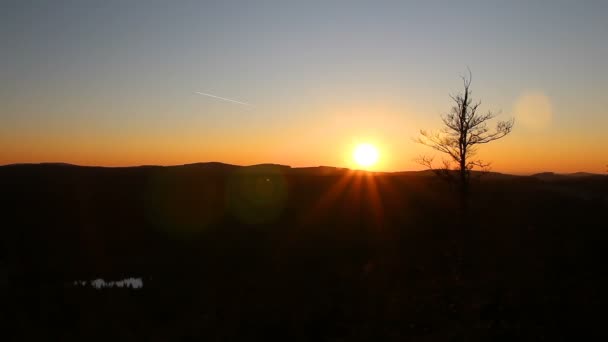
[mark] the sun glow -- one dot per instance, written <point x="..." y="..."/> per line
<point x="366" y="155"/>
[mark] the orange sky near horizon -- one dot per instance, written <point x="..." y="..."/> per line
<point x="325" y="139"/>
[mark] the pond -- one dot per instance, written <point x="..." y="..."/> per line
<point x="134" y="283"/>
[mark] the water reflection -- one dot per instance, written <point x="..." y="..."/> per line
<point x="134" y="283"/>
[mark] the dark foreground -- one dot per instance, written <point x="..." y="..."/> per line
<point x="267" y="252"/>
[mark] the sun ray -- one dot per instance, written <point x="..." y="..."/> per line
<point x="374" y="200"/>
<point x="330" y="196"/>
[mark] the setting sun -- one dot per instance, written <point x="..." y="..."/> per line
<point x="365" y="155"/>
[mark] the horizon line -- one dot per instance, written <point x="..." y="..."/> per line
<point x="288" y="166"/>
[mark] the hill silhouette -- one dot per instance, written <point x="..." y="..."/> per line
<point x="229" y="252"/>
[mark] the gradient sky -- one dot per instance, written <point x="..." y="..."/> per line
<point x="114" y="82"/>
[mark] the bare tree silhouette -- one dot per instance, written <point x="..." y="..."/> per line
<point x="464" y="130"/>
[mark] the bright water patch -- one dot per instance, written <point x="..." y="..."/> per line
<point x="134" y="283"/>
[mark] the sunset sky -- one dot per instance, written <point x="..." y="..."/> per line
<point x="115" y="83"/>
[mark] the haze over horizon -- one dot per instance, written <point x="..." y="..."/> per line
<point x="119" y="84"/>
<point x="353" y="168"/>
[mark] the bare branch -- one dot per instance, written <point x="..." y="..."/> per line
<point x="464" y="129"/>
<point x="443" y="172"/>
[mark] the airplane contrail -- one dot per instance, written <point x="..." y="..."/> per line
<point x="225" y="99"/>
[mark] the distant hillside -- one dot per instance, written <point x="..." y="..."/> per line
<point x="320" y="170"/>
<point x="235" y="253"/>
<point x="474" y="174"/>
<point x="552" y="176"/>
<point x="208" y="166"/>
<point x="312" y="170"/>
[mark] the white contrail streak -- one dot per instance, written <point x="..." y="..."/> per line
<point x="225" y="99"/>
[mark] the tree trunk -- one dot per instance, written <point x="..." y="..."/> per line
<point x="464" y="188"/>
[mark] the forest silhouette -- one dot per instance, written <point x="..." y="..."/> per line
<point x="227" y="253"/>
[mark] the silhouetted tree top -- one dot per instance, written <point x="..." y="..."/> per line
<point x="464" y="129"/>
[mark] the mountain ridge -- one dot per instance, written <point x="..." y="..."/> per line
<point x="320" y="169"/>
